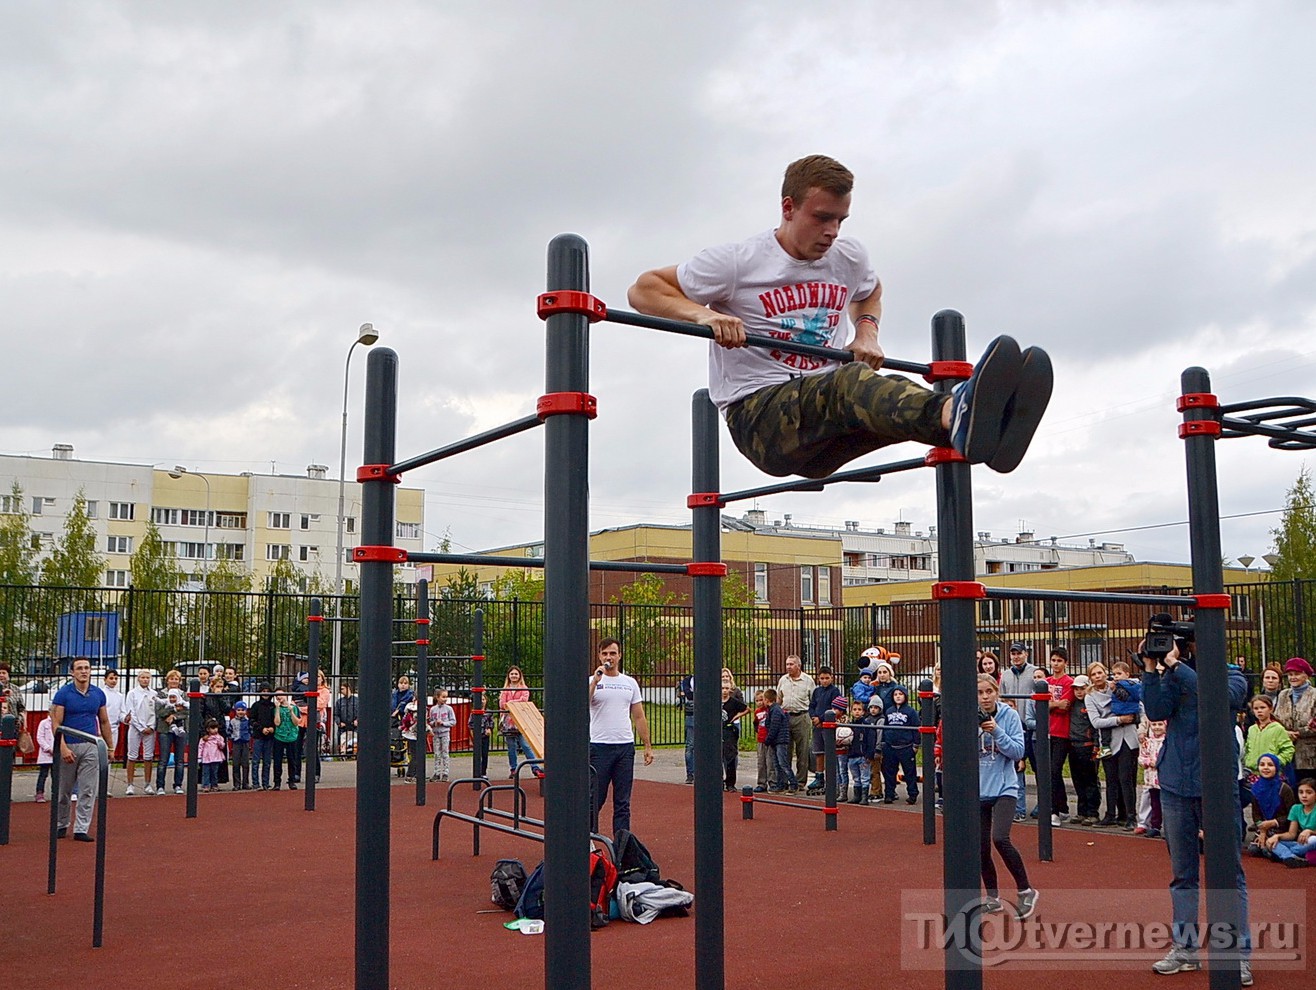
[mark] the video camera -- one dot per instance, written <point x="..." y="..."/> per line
<point x="1163" y="632"/>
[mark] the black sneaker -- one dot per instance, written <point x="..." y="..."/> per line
<point x="978" y="405"/>
<point x="1024" y="410"/>
<point x="82" y="837"/>
<point x="1026" y="904"/>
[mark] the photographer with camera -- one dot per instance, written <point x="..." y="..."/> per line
<point x="1169" y="694"/>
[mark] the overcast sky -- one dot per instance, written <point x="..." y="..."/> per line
<point x="200" y="203"/>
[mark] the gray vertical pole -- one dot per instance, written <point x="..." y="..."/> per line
<point x="927" y="720"/>
<point x="1220" y="811"/>
<point x="1042" y="750"/>
<point x="829" y="772"/>
<point x="710" y="965"/>
<point x="566" y="632"/>
<point x="375" y="628"/>
<point x="311" y="758"/>
<point x="194" y="699"/>
<point x="8" y="747"/>
<point x="959" y="696"/>
<point x="422" y="685"/>
<point x="479" y="749"/>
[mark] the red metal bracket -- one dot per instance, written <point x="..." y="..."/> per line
<point x="422" y="621"/>
<point x="558" y="403"/>
<point x="1199" y="427"/>
<point x="829" y="811"/>
<point x="927" y="694"/>
<point x="1197" y="400"/>
<point x="940" y="371"/>
<point x="702" y="500"/>
<point x="744" y="798"/>
<point x="1041" y="697"/>
<point x="310" y="694"/>
<point x="387" y="555"/>
<point x="706" y="568"/>
<point x="196" y="694"/>
<point x="1213" y="601"/>
<point x="477" y="658"/>
<point x="422" y="642"/>
<point x="14" y="742"/>
<point x="943" y="455"/>
<point x="376" y="472"/>
<point x="567" y="301"/>
<point x="927" y="730"/>
<point x="315" y="618"/>
<point x="943" y="590"/>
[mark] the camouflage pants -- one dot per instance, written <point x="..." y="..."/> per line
<point x="813" y="424"/>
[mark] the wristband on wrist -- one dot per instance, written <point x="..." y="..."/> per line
<point x="866" y="318"/>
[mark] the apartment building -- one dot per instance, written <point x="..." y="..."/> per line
<point x="254" y="520"/>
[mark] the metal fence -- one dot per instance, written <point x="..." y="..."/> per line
<point x="264" y="635"/>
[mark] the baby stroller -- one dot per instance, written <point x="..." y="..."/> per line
<point x="397" y="747"/>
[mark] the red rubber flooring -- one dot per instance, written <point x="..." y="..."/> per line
<point x="256" y="886"/>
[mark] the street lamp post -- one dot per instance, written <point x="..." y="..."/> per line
<point x="365" y="336"/>
<point x="176" y="473"/>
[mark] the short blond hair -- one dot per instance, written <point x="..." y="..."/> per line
<point x="816" y="172"/>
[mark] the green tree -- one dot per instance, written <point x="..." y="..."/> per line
<point x="514" y="624"/>
<point x="232" y="626"/>
<point x="1295" y="537"/>
<point x="742" y="638"/>
<point x="154" y="629"/>
<point x="74" y="562"/>
<point x="654" y="639"/>
<point x="18" y="558"/>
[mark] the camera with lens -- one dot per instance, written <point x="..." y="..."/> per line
<point x="984" y="716"/>
<point x="1163" y="632"/>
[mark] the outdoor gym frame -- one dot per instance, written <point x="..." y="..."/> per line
<point x="565" y="410"/>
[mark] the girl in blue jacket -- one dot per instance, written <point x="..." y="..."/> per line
<point x="1000" y="747"/>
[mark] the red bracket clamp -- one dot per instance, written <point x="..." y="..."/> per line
<point x="930" y="730"/>
<point x="940" y="371"/>
<point x="315" y="618"/>
<point x="829" y="811"/>
<point x="196" y="694"/>
<point x="565" y="301"/>
<point x="1041" y="697"/>
<point x="744" y="798"/>
<point x="943" y="455"/>
<point x="944" y="590"/>
<point x="1197" y="400"/>
<point x="376" y="472"/>
<point x="559" y="403"/>
<point x="706" y="568"/>
<point x="5" y="743"/>
<point x="1199" y="428"/>
<point x="1213" y="601"/>
<point x="422" y="621"/>
<point x="422" y="642"/>
<point x="929" y="695"/>
<point x="387" y="555"/>
<point x="703" y="500"/>
<point x="477" y="658"/>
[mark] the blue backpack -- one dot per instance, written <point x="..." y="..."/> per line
<point x="531" y="902"/>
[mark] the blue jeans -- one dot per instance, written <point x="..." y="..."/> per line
<point x="262" y="755"/>
<point x="168" y="742"/>
<point x="689" y="747"/>
<point x="210" y="775"/>
<point x="516" y="744"/>
<point x="781" y="755"/>
<point x="1182" y="818"/>
<point x="614" y="766"/>
<point x="1294" y="850"/>
<point x="860" y="771"/>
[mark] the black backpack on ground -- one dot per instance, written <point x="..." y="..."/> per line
<point x="507" y="882"/>
<point x="634" y="864"/>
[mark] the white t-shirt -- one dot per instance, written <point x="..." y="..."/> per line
<point x="779" y="296"/>
<point x="113" y="709"/>
<point x="610" y="709"/>
<point x="139" y="707"/>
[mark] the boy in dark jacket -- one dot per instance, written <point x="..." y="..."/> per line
<point x="863" y="746"/>
<point x="262" y="739"/>
<point x="820" y="708"/>
<point x="899" y="746"/>
<point x="777" y="738"/>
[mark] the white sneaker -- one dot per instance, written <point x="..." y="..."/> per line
<point x="150" y="788"/>
<point x="128" y="791"/>
<point x="178" y="790"/>
<point x="1055" y="821"/>
<point x="73" y="798"/>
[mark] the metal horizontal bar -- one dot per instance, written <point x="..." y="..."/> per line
<point x="755" y="340"/>
<point x="875" y="473"/>
<point x="1290" y="435"/>
<point x="470" y="443"/>
<point x="1111" y="597"/>
<point x="787" y="804"/>
<point x="486" y="559"/>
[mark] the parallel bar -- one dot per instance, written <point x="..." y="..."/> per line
<point x="422" y="689"/>
<point x="755" y="340"/>
<point x="1221" y="820"/>
<point x="470" y="443"/>
<point x="311" y="751"/>
<point x="194" y="700"/>
<point x="875" y="473"/>
<point x="960" y="854"/>
<point x="493" y="560"/>
<point x="706" y="536"/>
<point x="373" y="811"/>
<point x="479" y="741"/>
<point x="927" y="719"/>
<point x="566" y="633"/>
<point x="1111" y="597"/>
